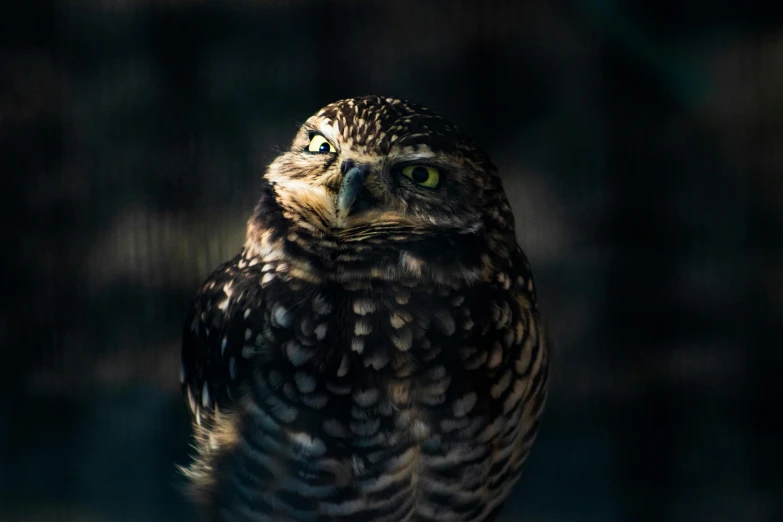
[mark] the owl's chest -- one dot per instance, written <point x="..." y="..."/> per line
<point x="402" y="343"/>
<point x="383" y="329"/>
<point x="375" y="393"/>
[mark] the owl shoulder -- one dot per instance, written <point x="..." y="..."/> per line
<point x="215" y="344"/>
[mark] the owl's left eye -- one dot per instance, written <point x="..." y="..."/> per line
<point x="423" y="175"/>
<point x="319" y="145"/>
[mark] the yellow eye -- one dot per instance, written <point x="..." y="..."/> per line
<point x="423" y="175"/>
<point x="319" y="144"/>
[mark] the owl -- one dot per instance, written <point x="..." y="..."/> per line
<point x="375" y="351"/>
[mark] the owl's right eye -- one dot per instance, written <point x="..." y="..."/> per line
<point x="319" y="145"/>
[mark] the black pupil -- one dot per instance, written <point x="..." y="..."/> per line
<point x="324" y="147"/>
<point x="419" y="174"/>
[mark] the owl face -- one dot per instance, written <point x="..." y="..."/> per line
<point x="382" y="162"/>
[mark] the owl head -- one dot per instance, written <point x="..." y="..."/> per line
<point x="383" y="160"/>
<point x="383" y="170"/>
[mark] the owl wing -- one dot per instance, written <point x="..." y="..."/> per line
<point x="216" y="350"/>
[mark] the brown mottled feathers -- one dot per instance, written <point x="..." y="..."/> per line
<point x="387" y="367"/>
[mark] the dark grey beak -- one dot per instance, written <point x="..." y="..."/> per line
<point x="351" y="190"/>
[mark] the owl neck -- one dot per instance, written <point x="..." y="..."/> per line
<point x="391" y="252"/>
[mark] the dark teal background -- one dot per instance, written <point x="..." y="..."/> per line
<point x="641" y="147"/>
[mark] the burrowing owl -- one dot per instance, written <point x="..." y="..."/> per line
<point x="374" y="352"/>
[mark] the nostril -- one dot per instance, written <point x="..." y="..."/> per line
<point x="346" y="166"/>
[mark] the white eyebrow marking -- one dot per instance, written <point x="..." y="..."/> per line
<point x="331" y="133"/>
<point x="419" y="155"/>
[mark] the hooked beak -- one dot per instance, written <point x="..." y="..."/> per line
<point x="353" y="196"/>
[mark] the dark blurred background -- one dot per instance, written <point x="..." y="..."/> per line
<point x="641" y="145"/>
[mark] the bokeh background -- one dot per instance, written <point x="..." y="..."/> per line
<point x="641" y="145"/>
